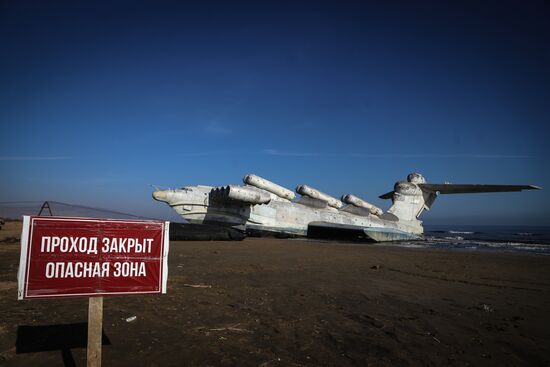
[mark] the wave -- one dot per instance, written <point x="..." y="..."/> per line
<point x="461" y="232"/>
<point x="459" y="243"/>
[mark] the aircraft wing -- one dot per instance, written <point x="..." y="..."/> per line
<point x="473" y="188"/>
<point x="351" y="232"/>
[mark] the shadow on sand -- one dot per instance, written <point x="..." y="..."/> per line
<point x="31" y="339"/>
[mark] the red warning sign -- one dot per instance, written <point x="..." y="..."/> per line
<point x="67" y="257"/>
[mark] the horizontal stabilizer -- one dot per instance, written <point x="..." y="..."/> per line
<point x="387" y="195"/>
<point x="466" y="189"/>
<point x="469" y="188"/>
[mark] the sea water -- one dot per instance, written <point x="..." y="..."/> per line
<point x="530" y="239"/>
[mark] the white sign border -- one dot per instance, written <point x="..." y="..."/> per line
<point x="25" y="258"/>
<point x="166" y="246"/>
<point x="21" y="273"/>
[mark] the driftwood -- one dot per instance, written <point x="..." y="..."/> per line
<point x="197" y="285"/>
<point x="233" y="328"/>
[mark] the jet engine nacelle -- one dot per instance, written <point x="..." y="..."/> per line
<point x="354" y="200"/>
<point x="305" y="190"/>
<point x="243" y="194"/>
<point x="269" y="186"/>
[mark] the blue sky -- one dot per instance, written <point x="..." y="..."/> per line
<point x="100" y="100"/>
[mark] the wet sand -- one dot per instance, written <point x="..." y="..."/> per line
<point x="273" y="302"/>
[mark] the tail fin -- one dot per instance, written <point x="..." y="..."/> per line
<point x="411" y="197"/>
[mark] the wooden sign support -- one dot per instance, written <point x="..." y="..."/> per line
<point x="95" y="331"/>
<point x="92" y="257"/>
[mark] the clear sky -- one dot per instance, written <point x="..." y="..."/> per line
<point x="99" y="100"/>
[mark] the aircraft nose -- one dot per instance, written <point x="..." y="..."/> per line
<point x="160" y="195"/>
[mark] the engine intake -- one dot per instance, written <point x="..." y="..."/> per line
<point x="354" y="200"/>
<point x="239" y="193"/>
<point x="305" y="190"/>
<point x="269" y="186"/>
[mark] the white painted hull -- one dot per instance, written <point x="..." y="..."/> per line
<point x="264" y="205"/>
<point x="281" y="216"/>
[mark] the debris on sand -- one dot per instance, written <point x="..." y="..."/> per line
<point x="267" y="363"/>
<point x="487" y="308"/>
<point x="432" y="335"/>
<point x="233" y="328"/>
<point x="197" y="285"/>
<point x="131" y="319"/>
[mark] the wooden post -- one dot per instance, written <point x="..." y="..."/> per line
<point x="95" y="331"/>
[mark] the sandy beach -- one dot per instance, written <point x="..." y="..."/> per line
<point x="274" y="302"/>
